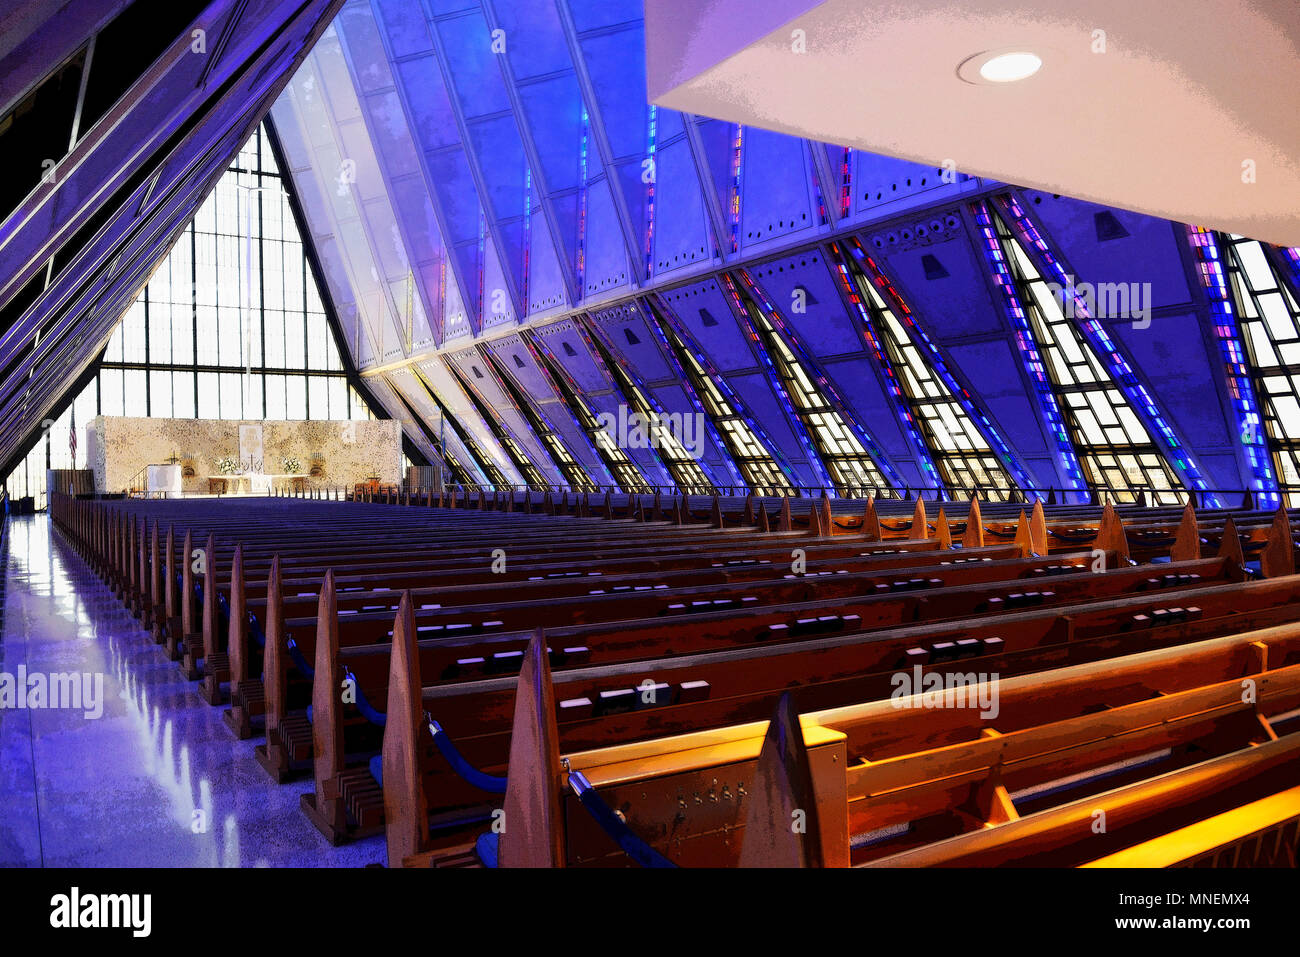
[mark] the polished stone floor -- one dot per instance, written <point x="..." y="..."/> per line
<point x="157" y="780"/>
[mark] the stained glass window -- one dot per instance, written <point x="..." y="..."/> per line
<point x="447" y="419"/>
<point x="683" y="467"/>
<point x="852" y="468"/>
<point x="747" y="450"/>
<point x="1114" y="448"/>
<point x="964" y="456"/>
<point x="616" y="460"/>
<point x="1270" y="324"/>
<point x="532" y="475"/>
<point x="573" y="472"/>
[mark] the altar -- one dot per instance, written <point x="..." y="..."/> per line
<point x="253" y="483"/>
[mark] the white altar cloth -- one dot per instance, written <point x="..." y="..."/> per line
<point x="256" y="483"/>
<point x="163" y="478"/>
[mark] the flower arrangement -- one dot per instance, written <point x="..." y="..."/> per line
<point x="228" y="465"/>
<point x="291" y="465"/>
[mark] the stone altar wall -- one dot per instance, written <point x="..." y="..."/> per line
<point x="117" y="448"/>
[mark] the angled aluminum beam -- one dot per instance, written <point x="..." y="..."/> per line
<point x="96" y="303"/>
<point x="825" y="181"/>
<point x="453" y="264"/>
<point x="113" y="142"/>
<point x="11" y="226"/>
<point x="81" y="93"/>
<point x="476" y="171"/>
<point x="58" y="34"/>
<point x="534" y="161"/>
<point x="381" y="160"/>
<point x="705" y="271"/>
<point x="712" y="205"/>
<point x="316" y="270"/>
<point x="635" y="255"/>
<point x="77" y="383"/>
<point x="363" y="223"/>
<point x="102" y="306"/>
<point x="99" y="248"/>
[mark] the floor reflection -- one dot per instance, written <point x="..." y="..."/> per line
<point x="158" y="780"/>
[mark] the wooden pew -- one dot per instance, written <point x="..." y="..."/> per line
<point x="369" y="664"/>
<point x="946" y="763"/>
<point x="294" y="600"/>
<point x="739" y="683"/>
<point x="240" y="555"/>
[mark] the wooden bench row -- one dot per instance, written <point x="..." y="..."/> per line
<point x="721" y="601"/>
<point x="1106" y="763"/>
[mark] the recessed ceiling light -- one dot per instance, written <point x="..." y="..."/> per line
<point x="1000" y="66"/>
<point x="1009" y="67"/>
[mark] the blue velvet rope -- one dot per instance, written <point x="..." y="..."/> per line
<point x="615" y="826"/>
<point x="363" y="703"/>
<point x="223" y="615"/>
<point x="486" y="848"/>
<point x="299" y="661"/>
<point x="447" y="748"/>
<point x="255" y="629"/>
<point x="1072" y="539"/>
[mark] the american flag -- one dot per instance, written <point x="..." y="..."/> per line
<point x="72" y="438"/>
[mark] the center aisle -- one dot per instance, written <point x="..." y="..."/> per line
<point x="157" y="780"/>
